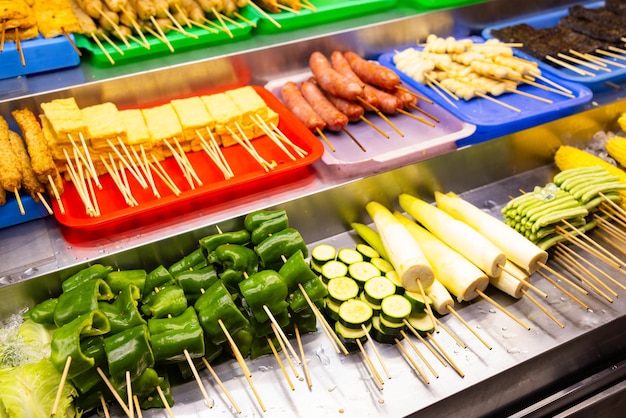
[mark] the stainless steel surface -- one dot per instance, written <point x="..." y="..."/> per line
<point x="35" y="257"/>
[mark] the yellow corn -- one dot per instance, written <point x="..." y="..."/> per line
<point x="616" y="147"/>
<point x="567" y="157"/>
<point x="622" y="121"/>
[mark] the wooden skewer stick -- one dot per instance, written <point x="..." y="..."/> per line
<point x="218" y="15"/>
<point x="370" y="366"/>
<point x="133" y="22"/>
<point x="419" y="96"/>
<point x="472" y="330"/>
<point x="441" y="94"/>
<point x="610" y="54"/>
<point x="614" y="232"/>
<point x="557" y="90"/>
<point x="213" y="155"/>
<point x="165" y="402"/>
<point x="129" y="391"/>
<point x="617" y="262"/>
<point x="321" y="134"/>
<point x="601" y="254"/>
<point x="137" y="406"/>
<point x="280" y="363"/>
<point x="284" y="349"/>
<point x="112" y="43"/>
<point x="429" y="310"/>
<point x="496" y="101"/>
<point x="542" y="308"/>
<point x="307" y="4"/>
<point x="591" y="58"/>
<point x="209" y="402"/>
<point x="116" y="395"/>
<point x="273" y="136"/>
<point x="2" y="34"/>
<point x="105" y="408"/>
<point x="215" y="28"/>
<point x="57" y="399"/>
<point x="611" y="214"/>
<point x="438" y="84"/>
<point x="410" y="359"/>
<point x="244" y="19"/>
<point x="562" y="278"/>
<point x="233" y="21"/>
<point x="160" y="171"/>
<point x="221" y="385"/>
<point x="301" y="152"/>
<point x="176" y="23"/>
<point x="569" y="66"/>
<point x="145" y="169"/>
<point x="18" y="46"/>
<point x="334" y="339"/>
<point x="130" y="168"/>
<point x="419" y="353"/>
<point x="562" y="289"/>
<point x="417" y="118"/>
<point x="265" y="14"/>
<point x="281" y="334"/>
<point x="356" y="141"/>
<point x="506" y="311"/>
<point x="617" y="208"/>
<point x="582" y="278"/>
<point x="445" y="354"/>
<point x="586" y="64"/>
<point x="381" y="115"/>
<point x="57" y="196"/>
<point x="531" y="96"/>
<point x="102" y="48"/>
<point x="526" y="282"/>
<point x="18" y="199"/>
<point x="288" y="9"/>
<point x="305" y="365"/>
<point x="429" y="346"/>
<point x="133" y="164"/>
<point x="115" y="26"/>
<point x="582" y="259"/>
<point x="184" y="168"/>
<point x="44" y="202"/>
<point x="112" y="170"/>
<point x="450" y="333"/>
<point x="71" y="41"/>
<point x="376" y="352"/>
<point x="86" y="157"/>
<point x="376" y="128"/>
<point x="425" y="113"/>
<point x="160" y="35"/>
<point x="185" y="160"/>
<point x="235" y="348"/>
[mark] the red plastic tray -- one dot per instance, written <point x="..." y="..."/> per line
<point x="248" y="174"/>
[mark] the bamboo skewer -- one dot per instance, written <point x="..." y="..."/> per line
<point x="531" y="96"/>
<point x="218" y="15"/>
<point x="162" y="174"/>
<point x="133" y="22"/>
<point x="321" y="134"/>
<point x="279" y="338"/>
<point x="281" y="334"/>
<point x="436" y="89"/>
<point x="542" y="308"/>
<point x="244" y="19"/>
<point x="569" y="66"/>
<point x="562" y="278"/>
<point x="376" y="128"/>
<point x="526" y="282"/>
<point x="129" y="392"/>
<point x="601" y="255"/>
<point x="451" y="334"/>
<point x="221" y="385"/>
<point x="209" y="402"/>
<point x="265" y="14"/>
<point x="445" y="354"/>
<point x="233" y="21"/>
<point x="499" y="102"/>
<point x="103" y="49"/>
<point x="381" y="115"/>
<point x="419" y="353"/>
<point x="116" y="395"/>
<point x="562" y="289"/>
<point x="19" y="201"/>
<point x="430" y="347"/>
<point x="506" y="311"/>
<point x="18" y="46"/>
<point x="370" y="366"/>
<point x="583" y="63"/>
<point x="376" y="352"/>
<point x="334" y="339"/>
<point x="57" y="399"/>
<point x="410" y="359"/>
<point x="417" y="118"/>
<point x="429" y="310"/>
<point x="44" y="202"/>
<point x="165" y="402"/>
<point x="356" y="141"/>
<point x="558" y="90"/>
<point x="160" y="35"/>
<point x="472" y="330"/>
<point x="56" y="194"/>
<point x="576" y="274"/>
<point x="280" y="363"/>
<point x="305" y="365"/>
<point x="580" y="258"/>
<point x="302" y="153"/>
<point x="137" y="406"/>
<point x="614" y="234"/>
<point x="236" y="352"/>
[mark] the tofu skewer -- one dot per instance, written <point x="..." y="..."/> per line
<point x="10" y="168"/>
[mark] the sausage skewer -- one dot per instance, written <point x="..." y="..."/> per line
<point x="304" y="112"/>
<point x="335" y="119"/>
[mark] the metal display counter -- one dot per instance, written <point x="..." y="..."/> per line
<point x="524" y="368"/>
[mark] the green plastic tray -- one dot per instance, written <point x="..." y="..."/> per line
<point x="178" y="41"/>
<point x="327" y="11"/>
<point x="437" y="4"/>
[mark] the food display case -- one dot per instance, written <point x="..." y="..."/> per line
<point x="547" y="370"/>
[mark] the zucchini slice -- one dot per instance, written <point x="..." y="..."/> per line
<point x="391" y="328"/>
<point x="421" y="322"/>
<point x="363" y="271"/>
<point x="333" y="269"/>
<point x="381" y="264"/>
<point x="323" y="253"/>
<point x="332" y="309"/>
<point x="348" y="336"/>
<point x="395" y="308"/>
<point x="375" y="306"/>
<point x="367" y="251"/>
<point x="349" y="256"/>
<point x="417" y="301"/>
<point x="380" y="336"/>
<point x="354" y="312"/>
<point x="395" y="279"/>
<point x="341" y="289"/>
<point x="378" y="288"/>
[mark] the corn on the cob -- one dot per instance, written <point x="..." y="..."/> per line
<point x="567" y="157"/>
<point x="622" y="121"/>
<point x="616" y="147"/>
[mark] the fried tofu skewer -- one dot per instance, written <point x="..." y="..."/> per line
<point x="10" y="173"/>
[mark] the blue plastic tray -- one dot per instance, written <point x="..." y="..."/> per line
<point x="40" y="55"/>
<point x="10" y="212"/>
<point x="493" y="120"/>
<point x="552" y="19"/>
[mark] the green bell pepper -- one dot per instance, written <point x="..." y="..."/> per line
<point x="80" y="300"/>
<point x="123" y="312"/>
<point x="187" y="263"/>
<point x="231" y="278"/>
<point x="43" y="313"/>
<point x="261" y="329"/>
<point x="315" y="289"/>
<point x="261" y="347"/>
<point x="129" y="350"/>
<point x="170" y="337"/>
<point x="254" y="219"/>
<point x="211" y="242"/>
<point x="296" y="270"/>
<point x="274" y="222"/>
<point x="159" y="277"/>
<point x="217" y="303"/>
<point x="305" y="320"/>
<point x="119" y="280"/>
<point x="243" y="340"/>
<point x="66" y="342"/>
<point x="236" y="257"/>
<point x="169" y="300"/>
<point x="92" y="347"/>
<point x="196" y="281"/>
<point x="153" y="400"/>
<point x="265" y="287"/>
<point x="281" y="244"/>
<point x="97" y="271"/>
